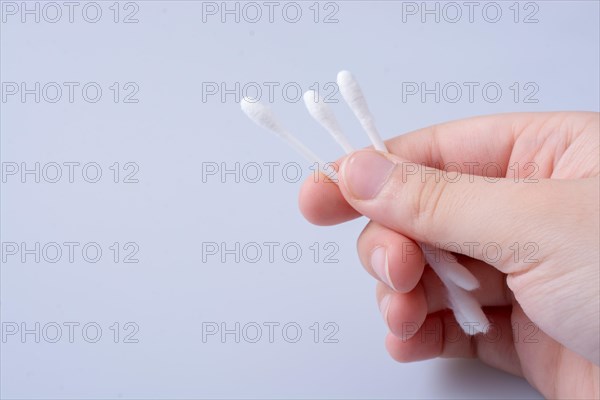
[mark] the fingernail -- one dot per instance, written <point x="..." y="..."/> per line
<point x="365" y="173"/>
<point x="379" y="263"/>
<point x="384" y="305"/>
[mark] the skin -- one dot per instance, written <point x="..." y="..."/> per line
<point x="544" y="302"/>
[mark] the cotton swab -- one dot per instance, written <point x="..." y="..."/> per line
<point x="263" y="116"/>
<point x="455" y="276"/>
<point x="446" y="262"/>
<point x="322" y="113"/>
<point x="467" y="310"/>
<point x="355" y="99"/>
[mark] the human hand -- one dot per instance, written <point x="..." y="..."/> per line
<point x="531" y="236"/>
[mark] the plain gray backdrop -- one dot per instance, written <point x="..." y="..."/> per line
<point x="302" y="321"/>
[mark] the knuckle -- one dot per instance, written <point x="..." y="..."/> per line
<point x="364" y="243"/>
<point x="430" y="201"/>
<point x="365" y="235"/>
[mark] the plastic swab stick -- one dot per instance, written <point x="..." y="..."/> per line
<point x="447" y="264"/>
<point x="263" y="116"/>
<point x="353" y="95"/>
<point x="322" y="113"/>
<point x="467" y="310"/>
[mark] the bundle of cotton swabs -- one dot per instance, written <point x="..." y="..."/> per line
<point x="459" y="281"/>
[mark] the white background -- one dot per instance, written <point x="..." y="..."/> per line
<point x="171" y="55"/>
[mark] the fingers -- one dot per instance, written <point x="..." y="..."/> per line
<point x="415" y="201"/>
<point x="469" y="145"/>
<point x="390" y="257"/>
<point x="482" y="146"/>
<point x="421" y="327"/>
<point x="404" y="312"/>
<point x="440" y="336"/>
<point x="322" y="203"/>
<point x="398" y="262"/>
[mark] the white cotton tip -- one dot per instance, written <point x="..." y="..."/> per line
<point x="264" y="117"/>
<point x="355" y="99"/>
<point x="458" y="281"/>
<point x="448" y="268"/>
<point x="323" y="114"/>
<point x="467" y="310"/>
<point x="458" y="273"/>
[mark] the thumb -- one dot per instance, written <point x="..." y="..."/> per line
<point x="458" y="212"/>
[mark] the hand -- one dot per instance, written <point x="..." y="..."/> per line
<point x="516" y="197"/>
